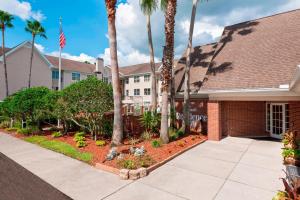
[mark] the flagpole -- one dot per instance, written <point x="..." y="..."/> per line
<point x="59" y="64"/>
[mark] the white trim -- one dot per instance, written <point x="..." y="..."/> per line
<point x="295" y="83"/>
<point x="23" y="45"/>
<point x="283" y="120"/>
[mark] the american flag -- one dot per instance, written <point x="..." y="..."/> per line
<point x="62" y="39"/>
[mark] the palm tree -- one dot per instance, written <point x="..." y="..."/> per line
<point x="5" y="22"/>
<point x="35" y="28"/>
<point x="186" y="101"/>
<point x="118" y="121"/>
<point x="148" y="7"/>
<point x="168" y="55"/>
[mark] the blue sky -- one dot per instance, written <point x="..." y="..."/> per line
<point x="85" y="25"/>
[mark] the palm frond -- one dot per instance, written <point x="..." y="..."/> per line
<point x="148" y="6"/>
<point x="163" y="4"/>
<point x="6" y="19"/>
<point x="35" y="28"/>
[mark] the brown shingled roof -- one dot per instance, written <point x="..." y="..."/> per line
<point x="262" y="53"/>
<point x="5" y="49"/>
<point x="137" y="69"/>
<point x="200" y="59"/>
<point x="71" y="65"/>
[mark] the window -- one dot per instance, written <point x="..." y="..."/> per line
<point x="90" y="75"/>
<point x="146" y="78"/>
<point x="126" y="80"/>
<point x="55" y="74"/>
<point x="127" y="93"/>
<point x="105" y="79"/>
<point x="136" y="79"/>
<point x="75" y="76"/>
<point x="147" y="91"/>
<point x="136" y="92"/>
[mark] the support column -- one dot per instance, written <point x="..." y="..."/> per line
<point x="214" y="120"/>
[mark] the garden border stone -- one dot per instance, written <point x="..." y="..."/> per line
<point x="142" y="172"/>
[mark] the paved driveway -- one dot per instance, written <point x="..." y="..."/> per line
<point x="234" y="168"/>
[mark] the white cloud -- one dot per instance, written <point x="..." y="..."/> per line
<point x="21" y="9"/>
<point x="40" y="47"/>
<point x="202" y="27"/>
<point x="81" y="58"/>
<point x="290" y="5"/>
<point x="132" y="58"/>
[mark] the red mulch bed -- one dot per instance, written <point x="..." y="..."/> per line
<point x="157" y="154"/>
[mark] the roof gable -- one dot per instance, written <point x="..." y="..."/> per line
<point x="262" y="53"/>
<point x="25" y="45"/>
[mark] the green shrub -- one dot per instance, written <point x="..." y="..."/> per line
<point x="180" y="133"/>
<point x="80" y="143"/>
<point x="291" y="153"/>
<point x="24" y="131"/>
<point x="127" y="164"/>
<point x="79" y="138"/>
<point x="80" y="134"/>
<point x="141" y="161"/>
<point x="5" y="124"/>
<point x="145" y="161"/>
<point x="100" y="143"/>
<point x="17" y="124"/>
<point x="150" y="121"/>
<point x="56" y="134"/>
<point x="146" y="135"/>
<point x="156" y="143"/>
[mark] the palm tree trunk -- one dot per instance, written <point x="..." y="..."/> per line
<point x="186" y="101"/>
<point x="4" y="61"/>
<point x="152" y="64"/>
<point x="31" y="59"/>
<point x="167" y="66"/>
<point x="118" y="121"/>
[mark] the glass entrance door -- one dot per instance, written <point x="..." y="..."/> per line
<point x="278" y="120"/>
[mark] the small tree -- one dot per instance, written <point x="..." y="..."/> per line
<point x="29" y="104"/>
<point x="85" y="103"/>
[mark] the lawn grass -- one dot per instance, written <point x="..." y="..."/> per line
<point x="60" y="147"/>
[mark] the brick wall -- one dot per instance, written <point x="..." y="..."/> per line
<point x="244" y="118"/>
<point x="214" y="120"/>
<point x="295" y="116"/>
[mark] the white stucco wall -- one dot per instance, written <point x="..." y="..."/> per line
<point x="18" y="71"/>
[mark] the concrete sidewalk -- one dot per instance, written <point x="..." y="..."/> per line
<point x="232" y="169"/>
<point x="74" y="178"/>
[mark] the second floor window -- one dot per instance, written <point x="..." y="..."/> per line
<point x="105" y="79"/>
<point x="75" y="76"/>
<point x="146" y="78"/>
<point x="136" y="92"/>
<point x="126" y="80"/>
<point x="136" y="79"/>
<point x="55" y="74"/>
<point x="127" y="93"/>
<point x="147" y="91"/>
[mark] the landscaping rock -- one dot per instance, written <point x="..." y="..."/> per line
<point x="139" y="151"/>
<point x="142" y="172"/>
<point x="124" y="174"/>
<point x="120" y="157"/>
<point x="132" y="150"/>
<point x="112" y="153"/>
<point x="134" y="174"/>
